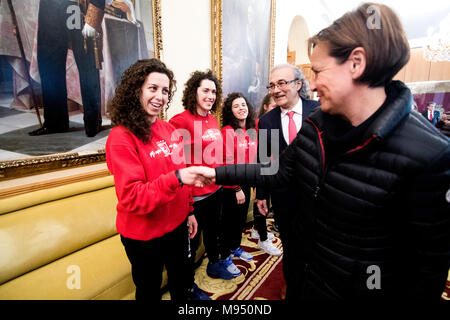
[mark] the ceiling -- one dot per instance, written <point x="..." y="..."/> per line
<point x="417" y="16"/>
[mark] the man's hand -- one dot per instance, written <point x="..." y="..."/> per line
<point x="262" y="206"/>
<point x="240" y="197"/>
<point x="88" y="31"/>
<point x="192" y="226"/>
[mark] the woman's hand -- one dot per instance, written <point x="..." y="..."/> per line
<point x="197" y="176"/>
<point x="192" y="226"/>
<point x="240" y="197"/>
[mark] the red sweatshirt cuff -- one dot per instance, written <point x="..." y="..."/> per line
<point x="173" y="181"/>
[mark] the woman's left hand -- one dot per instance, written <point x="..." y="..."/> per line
<point x="192" y="226"/>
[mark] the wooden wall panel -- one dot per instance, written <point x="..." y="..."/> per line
<point x="401" y="75"/>
<point x="440" y="71"/>
<point x="417" y="69"/>
<point x="291" y="57"/>
<point x="307" y="71"/>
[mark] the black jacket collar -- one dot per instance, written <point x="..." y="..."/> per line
<point x="396" y="107"/>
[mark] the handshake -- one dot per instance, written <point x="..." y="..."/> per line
<point x="197" y="176"/>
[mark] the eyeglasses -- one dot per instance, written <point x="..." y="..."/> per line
<point x="280" y="84"/>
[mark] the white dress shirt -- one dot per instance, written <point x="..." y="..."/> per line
<point x="298" y="110"/>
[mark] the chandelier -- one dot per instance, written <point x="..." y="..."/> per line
<point x="437" y="45"/>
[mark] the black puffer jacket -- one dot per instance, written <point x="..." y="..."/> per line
<point x="380" y="208"/>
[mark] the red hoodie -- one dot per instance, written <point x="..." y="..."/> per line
<point x="151" y="201"/>
<point x="205" y="141"/>
<point x="238" y="148"/>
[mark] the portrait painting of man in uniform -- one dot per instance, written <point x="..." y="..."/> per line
<point x="65" y="64"/>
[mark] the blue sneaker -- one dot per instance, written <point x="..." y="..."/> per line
<point x="218" y="269"/>
<point x="239" y="253"/>
<point x="231" y="267"/>
<point x="198" y="294"/>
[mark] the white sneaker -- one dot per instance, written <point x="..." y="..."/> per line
<point x="255" y="235"/>
<point x="268" y="247"/>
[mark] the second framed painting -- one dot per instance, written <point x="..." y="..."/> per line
<point x="243" y="45"/>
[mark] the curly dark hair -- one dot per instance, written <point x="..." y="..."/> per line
<point x="190" y="90"/>
<point x="125" y="107"/>
<point x="228" y="117"/>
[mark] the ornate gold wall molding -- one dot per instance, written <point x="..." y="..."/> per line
<point x="40" y="182"/>
<point x="273" y="13"/>
<point x="216" y="37"/>
<point x="157" y="29"/>
<point x="12" y="169"/>
<point x="157" y="39"/>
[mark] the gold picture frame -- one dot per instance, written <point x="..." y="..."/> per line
<point x="17" y="168"/>
<point x="217" y="47"/>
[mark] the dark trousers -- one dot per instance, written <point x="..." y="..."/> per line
<point x="259" y="221"/>
<point x="148" y="258"/>
<point x="234" y="216"/>
<point x="207" y="212"/>
<point x="53" y="41"/>
<point x="285" y="207"/>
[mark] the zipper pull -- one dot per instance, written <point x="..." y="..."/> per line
<point x="316" y="192"/>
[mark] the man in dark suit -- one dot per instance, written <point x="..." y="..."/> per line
<point x="290" y="91"/>
<point x="431" y="114"/>
<point x="56" y="33"/>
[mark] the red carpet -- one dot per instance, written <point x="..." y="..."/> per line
<point x="264" y="284"/>
<point x="261" y="279"/>
<point x="446" y="294"/>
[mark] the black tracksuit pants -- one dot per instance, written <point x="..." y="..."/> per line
<point x="148" y="259"/>
<point x="207" y="213"/>
<point x="234" y="216"/>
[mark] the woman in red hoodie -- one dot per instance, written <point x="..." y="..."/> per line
<point x="153" y="205"/>
<point x="240" y="146"/>
<point x="203" y="146"/>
